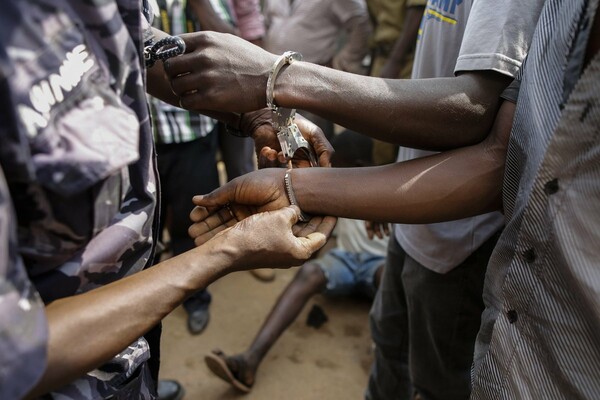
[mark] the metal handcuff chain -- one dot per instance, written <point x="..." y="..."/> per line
<point x="288" y="133"/>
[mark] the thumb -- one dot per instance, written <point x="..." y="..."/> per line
<point x="313" y="242"/>
<point x="293" y="213"/>
<point x="217" y="198"/>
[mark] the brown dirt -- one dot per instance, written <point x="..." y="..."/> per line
<point x="331" y="362"/>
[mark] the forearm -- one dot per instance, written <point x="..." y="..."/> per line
<point x="89" y="329"/>
<point x="432" y="114"/>
<point x="436" y="189"/>
<point x="356" y="46"/>
<point x="446" y="186"/>
<point x="209" y="19"/>
<point x="402" y="193"/>
<point x="405" y="43"/>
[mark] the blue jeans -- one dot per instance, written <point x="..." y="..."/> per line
<point x="349" y="273"/>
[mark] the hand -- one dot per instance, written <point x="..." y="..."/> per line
<point x="267" y="240"/>
<point x="378" y="229"/>
<point x="268" y="150"/>
<point x="246" y="195"/>
<point x="220" y="72"/>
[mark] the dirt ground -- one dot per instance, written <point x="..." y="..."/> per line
<point x="331" y="362"/>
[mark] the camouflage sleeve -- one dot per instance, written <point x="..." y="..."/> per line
<point x="23" y="326"/>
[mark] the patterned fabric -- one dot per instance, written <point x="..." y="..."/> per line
<point x="23" y="326"/>
<point x="173" y="124"/>
<point x="77" y="154"/>
<point x="540" y="335"/>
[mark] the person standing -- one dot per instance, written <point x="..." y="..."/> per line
<point x="78" y="198"/>
<point x="395" y="28"/>
<point x="242" y="18"/>
<point x="315" y="28"/>
<point x="427" y="312"/>
<point x="186" y="147"/>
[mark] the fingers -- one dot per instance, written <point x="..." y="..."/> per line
<point x="269" y="158"/>
<point x="312" y="225"/>
<point x="184" y="84"/>
<point x="207" y="225"/>
<point x="317" y="239"/>
<point x="181" y="65"/>
<point x="191" y="41"/>
<point x="218" y="197"/>
<point x="369" y="228"/>
<point x="386" y="228"/>
<point x="316" y="138"/>
<point x="326" y="226"/>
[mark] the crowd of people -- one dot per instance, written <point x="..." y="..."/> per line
<point x="486" y="160"/>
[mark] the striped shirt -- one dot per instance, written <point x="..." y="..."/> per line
<point x="172" y="124"/>
<point x="540" y="332"/>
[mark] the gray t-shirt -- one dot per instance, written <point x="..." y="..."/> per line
<point x="496" y="37"/>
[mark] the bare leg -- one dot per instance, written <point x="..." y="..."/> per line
<point x="307" y="282"/>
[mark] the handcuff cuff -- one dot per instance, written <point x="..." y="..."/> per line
<point x="164" y="49"/>
<point x="288" y="134"/>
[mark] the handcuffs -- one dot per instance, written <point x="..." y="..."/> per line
<point x="288" y="134"/>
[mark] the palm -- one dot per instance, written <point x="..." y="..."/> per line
<point x="244" y="196"/>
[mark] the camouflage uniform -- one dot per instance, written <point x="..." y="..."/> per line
<point x="77" y="154"/>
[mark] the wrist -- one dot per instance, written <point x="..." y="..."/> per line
<point x="209" y="262"/>
<point x="291" y="194"/>
<point x="281" y="64"/>
<point x="251" y="121"/>
<point x="233" y="126"/>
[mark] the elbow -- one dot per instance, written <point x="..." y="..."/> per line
<point x="482" y="101"/>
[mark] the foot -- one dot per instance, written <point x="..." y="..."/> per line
<point x="170" y="390"/>
<point x="233" y="369"/>
<point x="198" y="320"/>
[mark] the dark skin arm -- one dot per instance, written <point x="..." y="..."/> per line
<point x="446" y="186"/>
<point x="434" y="114"/>
<point x="404" y="44"/>
<point x="209" y="19"/>
<point x="87" y="330"/>
<point x="349" y="58"/>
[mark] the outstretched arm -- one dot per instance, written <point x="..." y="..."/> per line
<point x="113" y="316"/>
<point x="436" y="113"/>
<point x="446" y="186"/>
